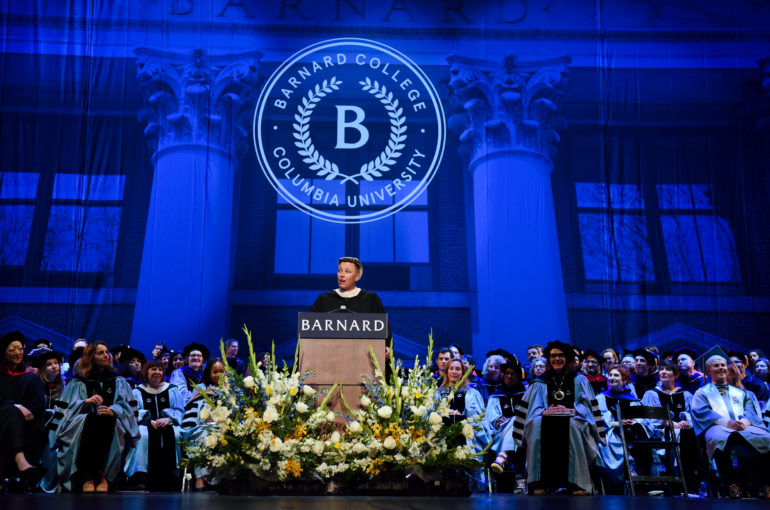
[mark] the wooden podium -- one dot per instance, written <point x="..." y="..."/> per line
<point x="336" y="347"/>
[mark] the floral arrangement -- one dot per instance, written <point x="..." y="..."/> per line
<point x="278" y="427"/>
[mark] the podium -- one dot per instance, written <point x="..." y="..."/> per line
<point x="336" y="347"/>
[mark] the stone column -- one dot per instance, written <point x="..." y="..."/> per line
<point x="508" y="127"/>
<point x="198" y="111"/>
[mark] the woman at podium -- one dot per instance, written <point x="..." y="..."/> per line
<point x="348" y="297"/>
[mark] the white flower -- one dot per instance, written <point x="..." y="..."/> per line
<point x="354" y="427"/>
<point x="211" y="441"/>
<point x="359" y="448"/>
<point x="335" y="437"/>
<point x="385" y="412"/>
<point x="389" y="443"/>
<point x="435" y="428"/>
<point x="307" y="390"/>
<point x="220" y="414"/>
<point x="264" y="464"/>
<point x="205" y="413"/>
<point x="461" y="454"/>
<point x="249" y="382"/>
<point x="330" y="416"/>
<point x="434" y="418"/>
<point x="276" y="444"/>
<point x="404" y="392"/>
<point x="301" y="407"/>
<point x="270" y="414"/>
<point x="417" y="411"/>
<point x="365" y="401"/>
<point x="318" y="448"/>
<point x="468" y="431"/>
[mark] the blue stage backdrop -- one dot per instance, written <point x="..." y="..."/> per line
<point x="509" y="171"/>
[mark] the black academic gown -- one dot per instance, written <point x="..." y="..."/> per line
<point x="16" y="433"/>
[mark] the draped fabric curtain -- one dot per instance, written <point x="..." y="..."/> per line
<point x="604" y="179"/>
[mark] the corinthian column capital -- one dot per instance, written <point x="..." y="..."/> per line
<point x="508" y="104"/>
<point x="196" y="98"/>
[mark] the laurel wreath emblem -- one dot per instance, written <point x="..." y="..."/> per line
<point x="329" y="170"/>
<point x="323" y="167"/>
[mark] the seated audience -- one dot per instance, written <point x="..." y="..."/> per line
<point x="591" y="368"/>
<point x="749" y="382"/>
<point x="491" y="375"/>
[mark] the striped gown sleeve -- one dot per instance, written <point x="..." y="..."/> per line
<point x="601" y="427"/>
<point x="519" y="418"/>
<point x="190" y="418"/>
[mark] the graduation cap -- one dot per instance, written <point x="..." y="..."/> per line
<point x="130" y="352"/>
<point x="196" y="347"/>
<point x="649" y="356"/>
<point x="567" y="349"/>
<point x="6" y="340"/>
<point x="735" y="354"/>
<point x="717" y="351"/>
<point x="668" y="354"/>
<point x="41" y="355"/>
<point x="593" y="354"/>
<point x="685" y="350"/>
<point x="75" y="355"/>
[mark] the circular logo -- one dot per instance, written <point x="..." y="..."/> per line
<point x="349" y="130"/>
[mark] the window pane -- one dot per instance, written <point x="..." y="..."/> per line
<point x="598" y="252"/>
<point x="633" y="248"/>
<point x="591" y="194"/>
<point x="81" y="238"/>
<point x="15" y="225"/>
<point x="412" y="236"/>
<point x="292" y="250"/>
<point x="622" y="196"/>
<point x="106" y="187"/>
<point x="719" y="253"/>
<point x="327" y="245"/>
<point x="674" y="196"/>
<point x="70" y="186"/>
<point x="376" y="238"/>
<point x="681" y="239"/>
<point x="702" y="196"/>
<point x="18" y="185"/>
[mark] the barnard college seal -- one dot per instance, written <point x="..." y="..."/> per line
<point x="349" y="130"/>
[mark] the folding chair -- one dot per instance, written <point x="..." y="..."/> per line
<point x="668" y="443"/>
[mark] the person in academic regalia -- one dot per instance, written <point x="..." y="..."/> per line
<point x="97" y="425"/>
<point x="537" y="369"/>
<point x="619" y="395"/>
<point x="725" y="418"/>
<point x="48" y="364"/>
<point x="678" y="401"/>
<point x="689" y="379"/>
<point x="348" y="297"/>
<point x="130" y="368"/>
<point x="561" y="425"/>
<point x="22" y="414"/>
<point x="500" y="410"/>
<point x="187" y="376"/>
<point x="591" y="368"/>
<point x="748" y="381"/>
<point x="153" y="464"/>
<point x="466" y="402"/>
<point x="231" y="352"/>
<point x="196" y="425"/>
<point x="643" y="377"/>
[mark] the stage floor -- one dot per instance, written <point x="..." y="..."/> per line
<point x="139" y="501"/>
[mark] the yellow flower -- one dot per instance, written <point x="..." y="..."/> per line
<point x="294" y="468"/>
<point x="338" y="445"/>
<point x="223" y="441"/>
<point x="269" y="390"/>
<point x="418" y="394"/>
<point x="293" y="392"/>
<point x="299" y="430"/>
<point x="375" y="467"/>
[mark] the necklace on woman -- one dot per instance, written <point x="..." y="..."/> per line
<point x="559" y="393"/>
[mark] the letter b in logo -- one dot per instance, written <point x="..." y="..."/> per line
<point x="343" y="125"/>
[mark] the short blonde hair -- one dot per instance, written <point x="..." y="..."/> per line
<point x="355" y="262"/>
